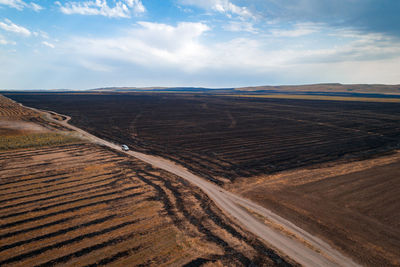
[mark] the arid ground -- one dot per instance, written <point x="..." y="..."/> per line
<point x="328" y="166"/>
<point x="224" y="138"/>
<point x="354" y="205"/>
<point x="73" y="203"/>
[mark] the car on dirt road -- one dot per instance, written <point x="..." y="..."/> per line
<point x="125" y="147"/>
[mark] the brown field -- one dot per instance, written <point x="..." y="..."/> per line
<point x="16" y="120"/>
<point x="79" y="204"/>
<point x="225" y="138"/>
<point x="300" y="158"/>
<point x="330" y="87"/>
<point x="322" y="97"/>
<point x="21" y="127"/>
<point x="83" y="205"/>
<point x="353" y="205"/>
<point x="11" y="110"/>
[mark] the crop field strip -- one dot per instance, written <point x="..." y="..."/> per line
<point x="223" y="138"/>
<point x="80" y="202"/>
<point x="88" y="206"/>
<point x="11" y="110"/>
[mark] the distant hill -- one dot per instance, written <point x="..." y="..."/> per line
<point x="327" y="88"/>
<point x="310" y="88"/>
<point x="323" y="89"/>
<point x="122" y="89"/>
<point x="161" y="89"/>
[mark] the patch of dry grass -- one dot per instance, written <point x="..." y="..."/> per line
<point x="8" y="142"/>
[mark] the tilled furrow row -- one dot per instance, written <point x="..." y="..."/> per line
<point x="55" y="185"/>
<point x="58" y="204"/>
<point x="72" y="209"/>
<point x="72" y="193"/>
<point x="65" y="242"/>
<point x="57" y="233"/>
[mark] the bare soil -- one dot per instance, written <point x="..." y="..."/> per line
<point x="86" y="205"/>
<point x="302" y="159"/>
<point x="355" y="206"/>
<point x="21" y="126"/>
<point x="330" y="87"/>
<point x="224" y="138"/>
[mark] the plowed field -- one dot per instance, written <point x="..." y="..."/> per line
<point x="83" y="205"/>
<point x="223" y="138"/>
<point x="80" y="204"/>
<point x="356" y="206"/>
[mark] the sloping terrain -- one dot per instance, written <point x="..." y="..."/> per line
<point x="11" y="110"/>
<point x="322" y="88"/>
<point x="84" y="205"/>
<point x="245" y="144"/>
<point x="23" y="119"/>
<point x="354" y="205"/>
<point x="329" y="88"/>
<point x="80" y="204"/>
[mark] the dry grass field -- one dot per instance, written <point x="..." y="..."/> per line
<point x="21" y="127"/>
<point x="11" y="110"/>
<point x="356" y="206"/>
<point x="78" y="204"/>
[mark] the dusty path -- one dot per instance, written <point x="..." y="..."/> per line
<point x="304" y="248"/>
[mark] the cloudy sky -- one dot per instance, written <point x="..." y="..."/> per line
<point x="213" y="43"/>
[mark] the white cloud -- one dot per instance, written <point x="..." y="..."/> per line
<point x="9" y="26"/>
<point x="154" y="53"/>
<point x="98" y="67"/>
<point x="222" y="6"/>
<point x="148" y="45"/>
<point x="3" y="41"/>
<point x="137" y="6"/>
<point x="20" y="5"/>
<point x="299" y="29"/>
<point x="42" y="34"/>
<point x="365" y="47"/>
<point x="36" y="7"/>
<point x="240" y="26"/>
<point x="181" y="47"/>
<point x="121" y="9"/>
<point x="48" y="44"/>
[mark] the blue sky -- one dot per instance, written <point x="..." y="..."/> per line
<point x="212" y="43"/>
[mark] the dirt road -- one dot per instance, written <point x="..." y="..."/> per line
<point x="279" y="233"/>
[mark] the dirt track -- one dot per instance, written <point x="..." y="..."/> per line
<point x="301" y="246"/>
<point x="80" y="204"/>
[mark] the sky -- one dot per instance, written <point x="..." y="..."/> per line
<point x="71" y="44"/>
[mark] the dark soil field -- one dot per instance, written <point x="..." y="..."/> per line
<point x="272" y="151"/>
<point x="355" y="206"/>
<point x="224" y="138"/>
<point x="79" y="204"/>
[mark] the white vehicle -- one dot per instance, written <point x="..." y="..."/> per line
<point x="125" y="147"/>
